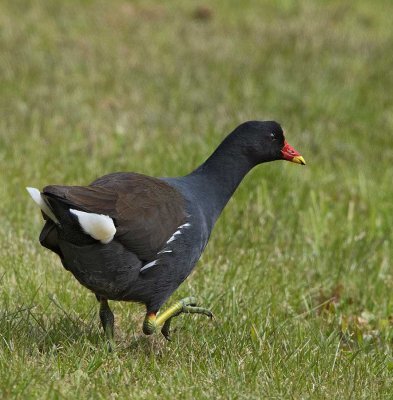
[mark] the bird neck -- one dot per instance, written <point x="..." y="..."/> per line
<point x="218" y="177"/>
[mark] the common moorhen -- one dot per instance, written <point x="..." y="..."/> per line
<point x="132" y="237"/>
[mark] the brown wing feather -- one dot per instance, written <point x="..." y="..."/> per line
<point x="146" y="210"/>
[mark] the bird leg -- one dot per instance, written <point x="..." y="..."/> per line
<point x="107" y="321"/>
<point x="188" y="306"/>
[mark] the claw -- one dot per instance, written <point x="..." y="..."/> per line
<point x="167" y="336"/>
<point x="166" y="330"/>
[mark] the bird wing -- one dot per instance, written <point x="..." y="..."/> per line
<point x="146" y="211"/>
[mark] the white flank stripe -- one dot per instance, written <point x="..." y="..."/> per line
<point x="150" y="264"/>
<point x="178" y="232"/>
<point x="98" y="226"/>
<point x="37" y="197"/>
<point x="164" y="251"/>
<point x="171" y="239"/>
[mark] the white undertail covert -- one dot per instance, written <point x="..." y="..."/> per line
<point x="98" y="226"/>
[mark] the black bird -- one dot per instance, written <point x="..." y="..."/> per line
<point x="132" y="237"/>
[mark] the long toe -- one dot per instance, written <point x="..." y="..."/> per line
<point x="189" y="301"/>
<point x="198" y="310"/>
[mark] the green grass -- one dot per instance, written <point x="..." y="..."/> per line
<point x="298" y="270"/>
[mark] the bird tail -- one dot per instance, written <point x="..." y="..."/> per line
<point x="38" y="198"/>
<point x="58" y="207"/>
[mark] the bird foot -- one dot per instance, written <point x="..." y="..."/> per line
<point x="187" y="305"/>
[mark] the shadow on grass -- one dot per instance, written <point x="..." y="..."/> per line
<point x="27" y="329"/>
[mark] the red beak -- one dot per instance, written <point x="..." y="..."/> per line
<point x="290" y="154"/>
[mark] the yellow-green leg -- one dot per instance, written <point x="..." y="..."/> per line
<point x="107" y="321"/>
<point x="153" y="322"/>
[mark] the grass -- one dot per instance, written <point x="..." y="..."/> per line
<point x="298" y="270"/>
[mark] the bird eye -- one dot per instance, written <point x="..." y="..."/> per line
<point x="273" y="135"/>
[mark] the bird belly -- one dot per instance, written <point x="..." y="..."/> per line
<point x="107" y="270"/>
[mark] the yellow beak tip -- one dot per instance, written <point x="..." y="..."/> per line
<point x="299" y="160"/>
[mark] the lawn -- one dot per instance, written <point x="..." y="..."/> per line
<point x="298" y="271"/>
